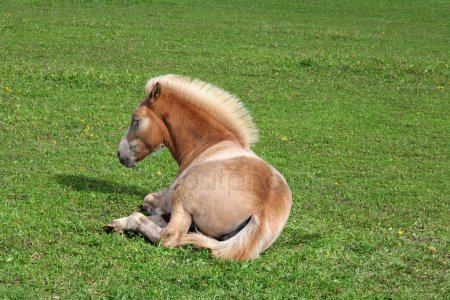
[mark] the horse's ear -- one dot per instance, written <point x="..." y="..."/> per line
<point x="154" y="94"/>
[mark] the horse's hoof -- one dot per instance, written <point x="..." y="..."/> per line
<point x="108" y="228"/>
<point x="111" y="228"/>
<point x="114" y="226"/>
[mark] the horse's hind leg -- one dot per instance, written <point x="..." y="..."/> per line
<point x="150" y="227"/>
<point x="179" y="224"/>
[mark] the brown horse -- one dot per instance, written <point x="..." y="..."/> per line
<point x="236" y="202"/>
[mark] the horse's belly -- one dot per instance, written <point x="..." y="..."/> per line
<point x="217" y="215"/>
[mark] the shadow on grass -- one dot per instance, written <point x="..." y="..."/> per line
<point x="290" y="239"/>
<point x="85" y="183"/>
<point x="309" y="238"/>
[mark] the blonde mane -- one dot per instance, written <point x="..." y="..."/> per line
<point x="222" y="106"/>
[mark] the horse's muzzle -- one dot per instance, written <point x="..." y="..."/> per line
<point x="126" y="161"/>
<point x="126" y="157"/>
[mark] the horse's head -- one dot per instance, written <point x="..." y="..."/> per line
<point x="145" y="134"/>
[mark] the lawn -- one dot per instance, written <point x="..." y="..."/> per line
<point x="352" y="102"/>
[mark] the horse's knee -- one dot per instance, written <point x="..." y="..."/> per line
<point x="152" y="204"/>
<point x="151" y="199"/>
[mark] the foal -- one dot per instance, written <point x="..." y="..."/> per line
<point x="237" y="202"/>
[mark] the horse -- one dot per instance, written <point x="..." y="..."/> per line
<point x="224" y="197"/>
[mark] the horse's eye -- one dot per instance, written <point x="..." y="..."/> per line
<point x="135" y="123"/>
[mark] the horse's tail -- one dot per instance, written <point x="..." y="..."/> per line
<point x="261" y="231"/>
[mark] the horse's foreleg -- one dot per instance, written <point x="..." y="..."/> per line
<point x="154" y="228"/>
<point x="156" y="203"/>
<point x="150" y="227"/>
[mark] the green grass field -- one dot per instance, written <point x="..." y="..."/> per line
<point x="352" y="101"/>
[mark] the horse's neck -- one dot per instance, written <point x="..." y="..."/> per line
<point x="191" y="130"/>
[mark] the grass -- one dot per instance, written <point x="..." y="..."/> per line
<point x="352" y="101"/>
